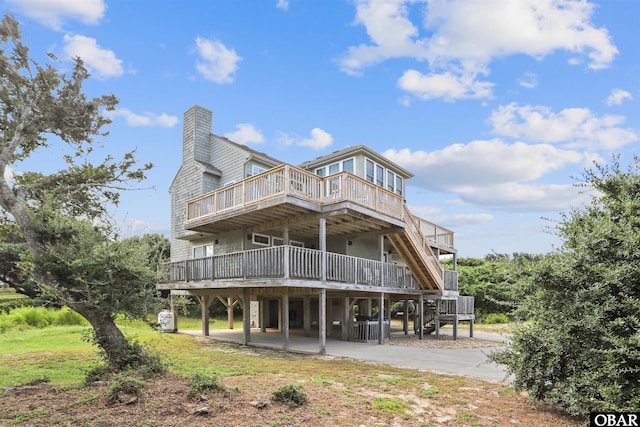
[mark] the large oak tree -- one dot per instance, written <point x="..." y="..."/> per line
<point x="63" y="215"/>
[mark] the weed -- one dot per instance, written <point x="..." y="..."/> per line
<point x="38" y="381"/>
<point x="291" y="394"/>
<point x="390" y="405"/>
<point x="123" y="387"/>
<point x="96" y="373"/>
<point x="465" y="417"/>
<point x="202" y="382"/>
<point x="429" y="392"/>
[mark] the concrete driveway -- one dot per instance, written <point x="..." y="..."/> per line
<point x="471" y="362"/>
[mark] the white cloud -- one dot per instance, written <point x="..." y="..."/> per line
<point x="217" y="63"/>
<point x="285" y="140"/>
<point x="528" y="80"/>
<point x="460" y="38"/>
<point x="146" y="119"/>
<point x="482" y="30"/>
<point x="319" y="140"/>
<point x="494" y="174"/>
<point x="53" y="13"/>
<point x="283" y="4"/>
<point x="245" y="134"/>
<point x="517" y="197"/>
<point x="447" y="85"/>
<point x="618" y="96"/>
<point x="101" y="62"/>
<point x="462" y="220"/>
<point x="574" y="127"/>
<point x="482" y="163"/>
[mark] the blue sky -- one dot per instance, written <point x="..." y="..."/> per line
<point x="495" y="105"/>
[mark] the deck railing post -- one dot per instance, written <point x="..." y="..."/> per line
<point x="286" y="253"/>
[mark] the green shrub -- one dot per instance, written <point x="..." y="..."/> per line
<point x="124" y="389"/>
<point x="36" y="317"/>
<point x="291" y="394"/>
<point x="493" y="318"/>
<point x="67" y="317"/>
<point x="96" y="373"/>
<point x="132" y="356"/>
<point x="202" y="382"/>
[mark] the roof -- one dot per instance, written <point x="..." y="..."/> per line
<point x="265" y="158"/>
<point x="351" y="151"/>
<point x="209" y="168"/>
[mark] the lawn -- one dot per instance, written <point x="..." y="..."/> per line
<point x="340" y="391"/>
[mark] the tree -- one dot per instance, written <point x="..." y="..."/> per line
<point x="41" y="108"/>
<point x="582" y="347"/>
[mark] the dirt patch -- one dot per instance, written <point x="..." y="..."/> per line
<point x="445" y="341"/>
<point x="371" y="399"/>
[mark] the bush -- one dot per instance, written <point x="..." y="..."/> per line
<point x="493" y="318"/>
<point x="291" y="394"/>
<point x="202" y="382"/>
<point x="38" y="317"/>
<point x="124" y="389"/>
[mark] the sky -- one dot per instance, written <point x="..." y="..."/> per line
<point x="496" y="106"/>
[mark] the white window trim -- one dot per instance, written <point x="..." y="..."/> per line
<point x="340" y="164"/>
<point x="274" y="241"/>
<point x="256" y="170"/>
<point x="253" y="239"/>
<point x="208" y="245"/>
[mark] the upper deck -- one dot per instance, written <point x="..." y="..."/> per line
<point x="288" y="194"/>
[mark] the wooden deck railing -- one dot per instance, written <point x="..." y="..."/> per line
<point x="292" y="181"/>
<point x="413" y="231"/>
<point x="289" y="262"/>
<point x="435" y="232"/>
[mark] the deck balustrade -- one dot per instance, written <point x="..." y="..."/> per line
<point x="291" y="181"/>
<point x="289" y="262"/>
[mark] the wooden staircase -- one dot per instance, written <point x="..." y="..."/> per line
<point x="414" y="248"/>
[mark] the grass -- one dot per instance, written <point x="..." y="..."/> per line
<point x="337" y="389"/>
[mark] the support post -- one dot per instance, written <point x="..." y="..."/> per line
<point x="230" y="312"/>
<point x="421" y="315"/>
<point x="346" y="319"/>
<point x="405" y="320"/>
<point x="322" y="324"/>
<point x="205" y="302"/>
<point x="381" y="319"/>
<point x="437" y="316"/>
<point x="246" y="317"/>
<point x="329" y="317"/>
<point x="323" y="247"/>
<point x="285" y="318"/>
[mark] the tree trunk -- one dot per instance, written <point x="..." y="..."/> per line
<point x="107" y="336"/>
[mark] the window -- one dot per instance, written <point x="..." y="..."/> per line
<point x="399" y="185"/>
<point x="347" y="165"/>
<point x="334" y="168"/>
<point x="255" y="170"/>
<point x="390" y="180"/>
<point x="321" y="171"/>
<point x="369" y="170"/>
<point x="261" y="239"/>
<point x="278" y="241"/>
<point x="202" y="251"/>
<point x="379" y="176"/>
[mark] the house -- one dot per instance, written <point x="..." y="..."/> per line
<point x="324" y="247"/>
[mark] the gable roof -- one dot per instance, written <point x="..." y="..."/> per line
<point x="255" y="154"/>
